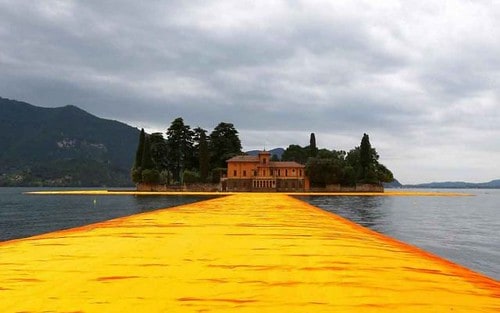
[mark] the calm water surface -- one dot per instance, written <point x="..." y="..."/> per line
<point x="465" y="230"/>
<point x="27" y="215"/>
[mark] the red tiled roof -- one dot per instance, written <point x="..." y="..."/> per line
<point x="244" y="158"/>
<point x="255" y="159"/>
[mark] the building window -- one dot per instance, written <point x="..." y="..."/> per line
<point x="286" y="172"/>
<point x="279" y="172"/>
<point x="264" y="160"/>
<point x="234" y="173"/>
<point x="244" y="173"/>
<point x="300" y="173"/>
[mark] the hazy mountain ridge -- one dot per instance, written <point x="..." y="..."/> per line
<point x="494" y="184"/>
<point x="456" y="184"/>
<point x="394" y="184"/>
<point x="64" y="146"/>
<point x="276" y="151"/>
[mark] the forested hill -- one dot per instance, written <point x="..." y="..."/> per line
<point x="278" y="152"/>
<point x="63" y="146"/>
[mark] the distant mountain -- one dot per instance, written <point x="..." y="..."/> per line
<point x="491" y="184"/>
<point x="394" y="184"/>
<point x="457" y="184"/>
<point x="275" y="151"/>
<point x="63" y="146"/>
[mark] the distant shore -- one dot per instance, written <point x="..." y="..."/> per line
<point x="391" y="193"/>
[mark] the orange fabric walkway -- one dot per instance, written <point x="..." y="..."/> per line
<point x="240" y="253"/>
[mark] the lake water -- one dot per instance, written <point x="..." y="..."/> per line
<point x="27" y="215"/>
<point x="465" y="230"/>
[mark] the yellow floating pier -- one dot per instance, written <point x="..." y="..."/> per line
<point x="240" y="253"/>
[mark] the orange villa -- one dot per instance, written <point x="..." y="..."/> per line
<point x="259" y="173"/>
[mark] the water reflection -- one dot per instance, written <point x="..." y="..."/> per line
<point x="367" y="211"/>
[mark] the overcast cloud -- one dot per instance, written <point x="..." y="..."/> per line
<point x="420" y="77"/>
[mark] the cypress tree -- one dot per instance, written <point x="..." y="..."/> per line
<point x="312" y="141"/>
<point x="204" y="158"/>
<point x="147" y="161"/>
<point x="365" y="156"/>
<point x="140" y="149"/>
<point x="136" y="172"/>
<point x="313" y="150"/>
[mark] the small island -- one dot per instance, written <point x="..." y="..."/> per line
<point x="190" y="160"/>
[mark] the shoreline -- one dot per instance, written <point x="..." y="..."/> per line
<point x="402" y="193"/>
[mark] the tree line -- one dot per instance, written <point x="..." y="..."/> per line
<point x="326" y="167"/>
<point x="190" y="156"/>
<point x="186" y="155"/>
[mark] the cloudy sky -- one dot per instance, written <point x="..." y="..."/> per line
<point x="421" y="78"/>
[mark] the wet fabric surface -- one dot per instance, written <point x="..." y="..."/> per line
<point x="244" y="253"/>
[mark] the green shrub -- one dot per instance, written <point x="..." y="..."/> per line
<point x="191" y="177"/>
<point x="136" y="175"/>
<point x="150" y="176"/>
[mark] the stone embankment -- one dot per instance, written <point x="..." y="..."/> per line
<point x="178" y="188"/>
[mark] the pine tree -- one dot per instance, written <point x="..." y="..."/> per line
<point x="180" y="147"/>
<point x="224" y="144"/>
<point x="197" y="133"/>
<point x="159" y="151"/>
